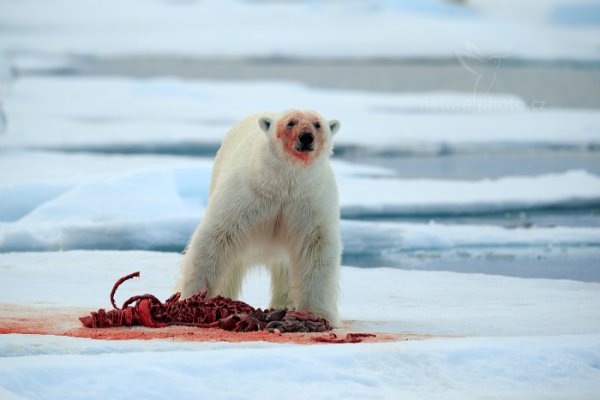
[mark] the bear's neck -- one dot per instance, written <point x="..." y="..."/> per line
<point x="274" y="176"/>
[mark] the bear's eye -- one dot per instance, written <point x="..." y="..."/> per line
<point x="317" y="125"/>
<point x="291" y="124"/>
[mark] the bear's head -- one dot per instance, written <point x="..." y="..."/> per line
<point x="300" y="136"/>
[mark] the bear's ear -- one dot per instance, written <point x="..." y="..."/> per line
<point x="334" y="126"/>
<point x="265" y="124"/>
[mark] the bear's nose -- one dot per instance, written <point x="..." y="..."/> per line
<point x="306" y="138"/>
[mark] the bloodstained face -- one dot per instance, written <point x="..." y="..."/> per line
<point x="303" y="135"/>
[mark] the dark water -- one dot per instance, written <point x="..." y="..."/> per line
<point x="542" y="217"/>
<point x="581" y="263"/>
<point x="487" y="165"/>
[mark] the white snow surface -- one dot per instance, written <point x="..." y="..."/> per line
<point x="376" y="28"/>
<point x="514" y="368"/>
<point x="494" y="337"/>
<point x="380" y="299"/>
<point x="416" y="196"/>
<point x="124" y="113"/>
<point x="509" y="338"/>
<point x="55" y="201"/>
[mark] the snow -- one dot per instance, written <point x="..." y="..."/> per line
<point x="408" y="236"/>
<point x="263" y="29"/>
<point x="429" y="196"/>
<point x="84" y="169"/>
<point x="177" y="114"/>
<point x="496" y="337"/>
<point x="533" y="368"/>
<point x="493" y="336"/>
<point x="75" y="201"/>
<point x="375" y="299"/>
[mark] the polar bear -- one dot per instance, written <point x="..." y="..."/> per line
<point x="273" y="201"/>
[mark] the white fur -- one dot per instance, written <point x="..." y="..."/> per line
<point x="267" y="208"/>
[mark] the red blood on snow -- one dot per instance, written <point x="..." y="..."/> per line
<point x="217" y="312"/>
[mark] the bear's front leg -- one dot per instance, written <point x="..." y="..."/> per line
<point x="206" y="260"/>
<point x="315" y="274"/>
